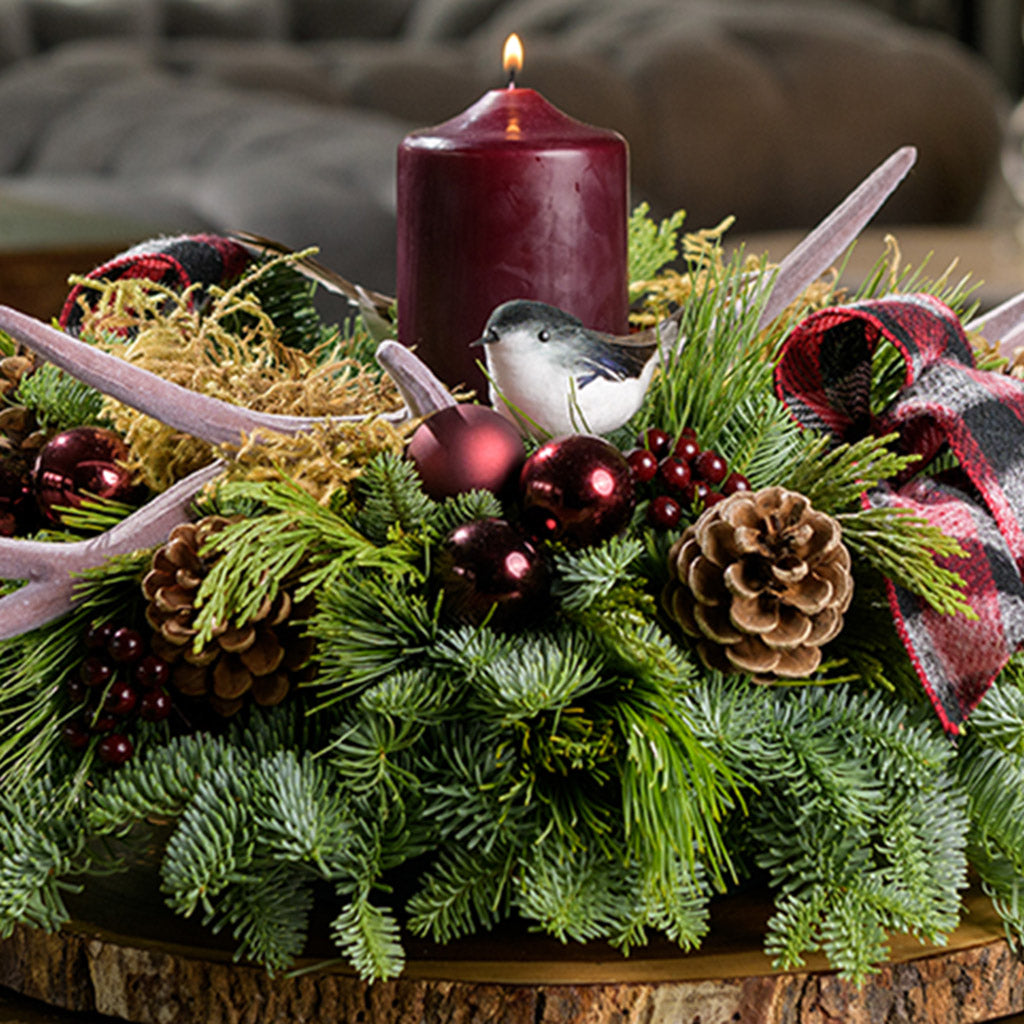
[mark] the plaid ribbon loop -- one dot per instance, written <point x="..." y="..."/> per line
<point x="824" y="378"/>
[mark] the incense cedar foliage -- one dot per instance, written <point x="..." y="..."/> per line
<point x="591" y="777"/>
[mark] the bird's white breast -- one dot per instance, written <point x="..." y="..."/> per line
<point x="547" y="394"/>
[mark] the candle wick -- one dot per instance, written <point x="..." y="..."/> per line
<point x="512" y="77"/>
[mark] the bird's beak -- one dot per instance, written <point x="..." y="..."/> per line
<point x="479" y="341"/>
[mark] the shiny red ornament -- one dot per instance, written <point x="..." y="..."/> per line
<point x="490" y="571"/>
<point x="79" y="463"/>
<point x="577" y="489"/>
<point x="466" y="447"/>
<point x="15" y="502"/>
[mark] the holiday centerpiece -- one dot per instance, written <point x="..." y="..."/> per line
<point x="347" y="661"/>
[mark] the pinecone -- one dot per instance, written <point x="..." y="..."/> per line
<point x="257" y="660"/>
<point x="762" y="580"/>
<point x="20" y="436"/>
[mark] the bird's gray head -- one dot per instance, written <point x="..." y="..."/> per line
<point x="528" y="324"/>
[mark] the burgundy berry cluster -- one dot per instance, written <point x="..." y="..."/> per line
<point x="680" y="474"/>
<point x="117" y="682"/>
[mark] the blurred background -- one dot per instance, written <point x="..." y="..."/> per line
<point x="124" y="118"/>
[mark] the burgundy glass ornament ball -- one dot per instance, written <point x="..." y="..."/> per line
<point x="466" y="447"/>
<point x="15" y="501"/>
<point x="489" y="570"/>
<point x="577" y="489"/>
<point x="79" y="463"/>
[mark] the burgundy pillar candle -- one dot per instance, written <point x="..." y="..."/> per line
<point x="511" y="199"/>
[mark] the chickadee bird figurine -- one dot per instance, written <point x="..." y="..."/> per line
<point x="552" y="375"/>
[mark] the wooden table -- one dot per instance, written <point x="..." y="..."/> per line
<point x="159" y="970"/>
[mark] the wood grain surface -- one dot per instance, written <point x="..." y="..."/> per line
<point x="153" y="976"/>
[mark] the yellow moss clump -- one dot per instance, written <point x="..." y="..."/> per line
<point x="201" y="346"/>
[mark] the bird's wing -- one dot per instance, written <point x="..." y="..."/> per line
<point x="611" y="360"/>
<point x="366" y="299"/>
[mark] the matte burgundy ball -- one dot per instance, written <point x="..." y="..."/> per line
<point x="15" y="502"/>
<point x="81" y="462"/>
<point x="464" y="448"/>
<point x="577" y="489"/>
<point x="488" y="568"/>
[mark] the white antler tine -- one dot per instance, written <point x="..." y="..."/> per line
<point x="34" y="605"/>
<point x="50" y="567"/>
<point x="820" y="249"/>
<point x="997" y="324"/>
<point x="199" y="415"/>
<point x="421" y="390"/>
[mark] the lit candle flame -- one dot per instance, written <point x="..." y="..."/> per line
<point x="512" y="58"/>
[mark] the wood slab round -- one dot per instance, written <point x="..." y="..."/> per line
<point x="153" y="969"/>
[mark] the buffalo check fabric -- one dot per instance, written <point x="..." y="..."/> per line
<point x="177" y="263"/>
<point x="824" y="377"/>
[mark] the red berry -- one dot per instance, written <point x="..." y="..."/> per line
<point x="95" y="671"/>
<point x="713" y="498"/>
<point x="674" y="474"/>
<point x="644" y="464"/>
<point x="155" y="705"/>
<point x="664" y="512"/>
<point x="76" y="690"/>
<point x="152" y="671"/>
<point x="687" y="449"/>
<point x="655" y="440"/>
<point x="98" y="635"/>
<point x="699" y="491"/>
<point x="120" y="699"/>
<point x="735" y="482"/>
<point x="126" y="645"/>
<point x="115" y="749"/>
<point x="75" y="734"/>
<point x="711" y="467"/>
<point x="103" y="722"/>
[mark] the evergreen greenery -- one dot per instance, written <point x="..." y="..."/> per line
<point x="587" y="776"/>
<point x="58" y="400"/>
<point x="651" y="246"/>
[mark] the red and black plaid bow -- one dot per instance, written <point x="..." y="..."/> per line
<point x="824" y="377"/>
<point x="177" y="262"/>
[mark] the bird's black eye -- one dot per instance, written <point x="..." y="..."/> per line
<point x="492" y="334"/>
<point x="545" y="335"/>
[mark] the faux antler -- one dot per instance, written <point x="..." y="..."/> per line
<point x="200" y="415"/>
<point x="50" y="568"/>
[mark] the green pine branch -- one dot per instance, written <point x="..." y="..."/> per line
<point x="58" y="400"/>
<point x="904" y="547"/>
<point x="268" y="916"/>
<point x="212" y="845"/>
<point x="368" y="936"/>
<point x="41" y="844"/>
<point x="390" y="497"/>
<point x="461" y="892"/>
<point x="833" y="477"/>
<point x="296" y="537"/>
<point x="366" y="628"/>
<point x="651" y="246"/>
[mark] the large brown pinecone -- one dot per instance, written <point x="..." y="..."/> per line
<point x="256" y="660"/>
<point x="762" y="580"/>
